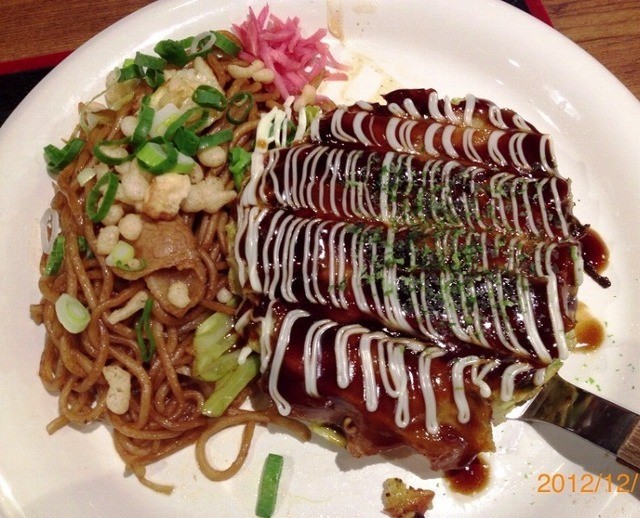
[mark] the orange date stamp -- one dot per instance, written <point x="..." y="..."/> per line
<point x="587" y="483"/>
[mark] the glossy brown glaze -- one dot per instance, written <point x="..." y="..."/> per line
<point x="469" y="480"/>
<point x="590" y="332"/>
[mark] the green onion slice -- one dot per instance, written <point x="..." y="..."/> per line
<point x="184" y="165"/>
<point x="186" y="141"/>
<point x="157" y="156"/>
<point x="133" y="265"/>
<point x="226" y="44"/>
<point x="209" y="97"/>
<point x="173" y="52"/>
<point x="269" y="482"/>
<point x="239" y="161"/>
<point x="147" y="61"/>
<point x="181" y="121"/>
<point x="154" y="78"/>
<point x="215" y="139"/>
<point x="54" y="262"/>
<point x="72" y="314"/>
<point x="239" y="107"/>
<point x="101" y="153"/>
<point x="57" y="159"/>
<point x="123" y="252"/>
<point x="145" y="120"/>
<point x="142" y="328"/>
<point x="129" y="71"/>
<point x="97" y="213"/>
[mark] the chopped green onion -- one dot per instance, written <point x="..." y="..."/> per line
<point x="54" y="262"/>
<point x="226" y="44"/>
<point x="173" y="52"/>
<point x="202" y="45"/>
<point x="129" y="71"/>
<point x="201" y="123"/>
<point x="157" y="156"/>
<point x="123" y="252"/>
<point x="184" y="165"/>
<point x="239" y="161"/>
<point x="228" y="388"/>
<point x="269" y="482"/>
<point x="241" y="102"/>
<point x="215" y="139"/>
<point x="209" y="97"/>
<point x="145" y="120"/>
<point x="133" y="265"/>
<point x="154" y="78"/>
<point x="100" y="152"/>
<point x="180" y="121"/>
<point x="147" y="61"/>
<point x="142" y="328"/>
<point x="97" y="213"/>
<point x="213" y="338"/>
<point x="186" y="141"/>
<point x="72" y="314"/>
<point x="57" y="159"/>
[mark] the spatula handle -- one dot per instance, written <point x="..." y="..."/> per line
<point x="629" y="452"/>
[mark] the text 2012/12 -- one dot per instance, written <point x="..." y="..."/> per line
<point x="587" y="483"/>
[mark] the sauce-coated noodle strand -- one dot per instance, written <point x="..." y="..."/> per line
<point x="249" y="420"/>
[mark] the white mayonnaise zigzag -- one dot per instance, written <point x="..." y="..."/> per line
<point x="391" y="187"/>
<point x="382" y="365"/>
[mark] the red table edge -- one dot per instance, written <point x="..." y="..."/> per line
<point x="51" y="60"/>
<point x="537" y="9"/>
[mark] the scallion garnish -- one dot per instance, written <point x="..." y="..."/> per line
<point x="57" y="159"/>
<point x="181" y="121"/>
<point x="226" y="44"/>
<point x="142" y="328"/>
<point x="154" y="78"/>
<point x="72" y="314"/>
<point x="147" y="61"/>
<point x="209" y="97"/>
<point x="145" y="120"/>
<point x="129" y="71"/>
<point x="97" y="213"/>
<point x="123" y="252"/>
<point x="239" y="161"/>
<point x="134" y="265"/>
<point x="215" y="139"/>
<point x="269" y="482"/>
<point x="173" y="52"/>
<point x="186" y="141"/>
<point x="157" y="156"/>
<point x="101" y="153"/>
<point x="54" y="262"/>
<point x="239" y="107"/>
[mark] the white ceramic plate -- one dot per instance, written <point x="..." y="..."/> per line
<point x="457" y="46"/>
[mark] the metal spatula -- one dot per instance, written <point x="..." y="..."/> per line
<point x="601" y="422"/>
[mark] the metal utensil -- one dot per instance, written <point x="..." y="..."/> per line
<point x="597" y="420"/>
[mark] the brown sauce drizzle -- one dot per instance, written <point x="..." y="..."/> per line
<point x="590" y="332"/>
<point x="595" y="255"/>
<point x="469" y="480"/>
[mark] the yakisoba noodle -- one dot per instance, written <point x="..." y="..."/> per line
<point x="164" y="411"/>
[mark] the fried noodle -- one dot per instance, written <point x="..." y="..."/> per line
<point x="164" y="413"/>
